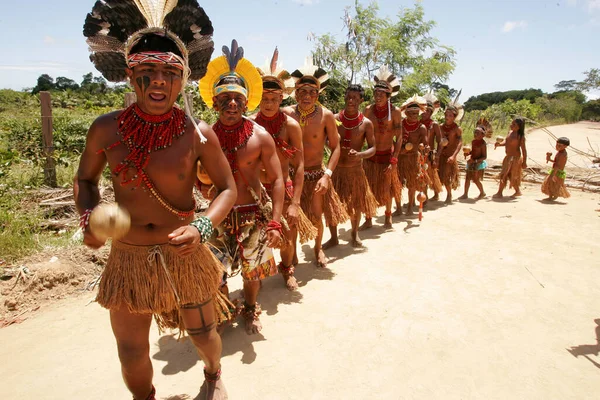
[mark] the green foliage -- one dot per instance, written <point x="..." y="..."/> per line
<point x="404" y="44"/>
<point x="565" y="107"/>
<point x="591" y="110"/>
<point x="591" y="81"/>
<point x="483" y="101"/>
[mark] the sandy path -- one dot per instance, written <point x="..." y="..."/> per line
<point x="481" y="300"/>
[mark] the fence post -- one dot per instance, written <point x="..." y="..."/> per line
<point x="129" y="99"/>
<point x="47" y="140"/>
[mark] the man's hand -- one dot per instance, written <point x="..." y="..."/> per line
<point x="273" y="238"/>
<point x="184" y="239"/>
<point x="524" y="163"/>
<point x="91" y="241"/>
<point x="353" y="154"/>
<point x="292" y="214"/>
<point x="451" y="160"/>
<point x="554" y="179"/>
<point x="323" y="184"/>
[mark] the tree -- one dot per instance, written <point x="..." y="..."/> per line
<point x="87" y="79"/>
<point x="63" y="83"/>
<point x="591" y="81"/>
<point x="566" y="85"/>
<point x="404" y="44"/>
<point x="44" y="82"/>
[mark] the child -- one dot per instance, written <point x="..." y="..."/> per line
<point x="554" y="185"/>
<point x="476" y="163"/>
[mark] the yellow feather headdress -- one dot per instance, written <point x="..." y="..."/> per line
<point x="232" y="64"/>
<point x="273" y="74"/>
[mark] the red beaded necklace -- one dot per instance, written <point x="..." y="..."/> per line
<point x="143" y="134"/>
<point x="449" y="128"/>
<point x="273" y="125"/>
<point x="233" y="138"/>
<point x="349" y="124"/>
<point x="427" y="123"/>
<point x="410" y="127"/>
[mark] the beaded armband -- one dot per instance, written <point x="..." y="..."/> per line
<point x="204" y="226"/>
<point x="84" y="219"/>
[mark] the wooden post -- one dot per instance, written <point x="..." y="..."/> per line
<point x="129" y="99"/>
<point x="47" y="140"/>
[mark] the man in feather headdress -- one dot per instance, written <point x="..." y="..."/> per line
<point x="381" y="168"/>
<point x="318" y="127"/>
<point x="277" y="85"/>
<point x="451" y="143"/>
<point x="413" y="134"/>
<point x="232" y="85"/>
<point x="349" y="178"/>
<point x="161" y="266"/>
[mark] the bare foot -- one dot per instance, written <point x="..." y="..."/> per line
<point x="435" y="197"/>
<point x="356" y="242"/>
<point x="517" y="194"/>
<point x="330" y="243"/>
<point x="295" y="259"/>
<point x="448" y="200"/>
<point x="388" y="222"/>
<point x="366" y="225"/>
<point x="213" y="390"/>
<point x="398" y="212"/>
<point x="288" y="277"/>
<point x="321" y="259"/>
<point x="464" y="196"/>
<point x="409" y="210"/>
<point x="482" y="195"/>
<point x="497" y="196"/>
<point x="251" y="320"/>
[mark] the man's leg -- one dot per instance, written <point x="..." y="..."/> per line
<point x="449" y="193"/>
<point x="287" y="258"/>
<point x="131" y="333"/>
<point x="411" y="201"/>
<point x="467" y="185"/>
<point x="477" y="182"/>
<point x="355" y="221"/>
<point x="498" y="195"/>
<point x="333" y="241"/>
<point x="200" y="324"/>
<point x="317" y="210"/>
<point x="251" y="308"/>
<point x="388" y="214"/>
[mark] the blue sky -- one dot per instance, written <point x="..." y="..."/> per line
<point x="500" y="44"/>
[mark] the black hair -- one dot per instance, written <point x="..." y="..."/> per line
<point x="383" y="85"/>
<point x="154" y="42"/>
<point x="356" y="88"/>
<point x="521" y="123"/>
<point x="271" y="85"/>
<point x="563" y="140"/>
<point x="231" y="80"/>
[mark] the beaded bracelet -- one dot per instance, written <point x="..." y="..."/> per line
<point x="393" y="160"/>
<point x="274" y="226"/>
<point x="204" y="226"/>
<point x="84" y="219"/>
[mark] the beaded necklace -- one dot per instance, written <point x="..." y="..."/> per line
<point x="273" y="125"/>
<point x="427" y="123"/>
<point x="304" y="116"/>
<point x="448" y="128"/>
<point x="233" y="138"/>
<point x="349" y="124"/>
<point x="143" y="134"/>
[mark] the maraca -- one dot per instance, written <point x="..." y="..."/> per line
<point x="109" y="220"/>
<point x="408" y="146"/>
<point x="444" y="142"/>
<point x="202" y="175"/>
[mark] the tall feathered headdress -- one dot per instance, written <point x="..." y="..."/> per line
<point x="385" y="80"/>
<point x="456" y="108"/>
<point x="231" y="72"/>
<point x="115" y="26"/>
<point x="310" y="74"/>
<point x="275" y="78"/>
<point x="432" y="102"/>
<point x="415" y="102"/>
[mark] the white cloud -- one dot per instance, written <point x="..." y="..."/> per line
<point x="511" y="25"/>
<point x="39" y="67"/>
<point x="49" y="40"/>
<point x="592" y="5"/>
<point x="306" y="2"/>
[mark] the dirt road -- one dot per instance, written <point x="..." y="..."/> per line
<point x="480" y="300"/>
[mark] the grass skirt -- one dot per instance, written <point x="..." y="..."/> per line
<point x="448" y="172"/>
<point x="512" y="170"/>
<point x="434" y="178"/>
<point x="352" y="187"/>
<point x="383" y="186"/>
<point x="556" y="188"/>
<point x="136" y="278"/>
<point x="333" y="209"/>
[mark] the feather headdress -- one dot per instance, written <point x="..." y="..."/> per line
<point x="456" y="107"/>
<point x="432" y="102"/>
<point x="414" y="102"/>
<point x="384" y="79"/>
<point x="310" y="74"/>
<point x="231" y="72"/>
<point x="275" y="77"/>
<point x="115" y="26"/>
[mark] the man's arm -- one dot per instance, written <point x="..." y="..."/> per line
<point x="370" y="136"/>
<point x="397" y="131"/>
<point x="459" y="144"/>
<point x="295" y="137"/>
<point x="90" y="169"/>
<point x="270" y="161"/>
<point x="524" y="152"/>
<point x="214" y="162"/>
<point x="334" y="139"/>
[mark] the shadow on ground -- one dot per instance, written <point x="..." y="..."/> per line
<point x="585" y="350"/>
